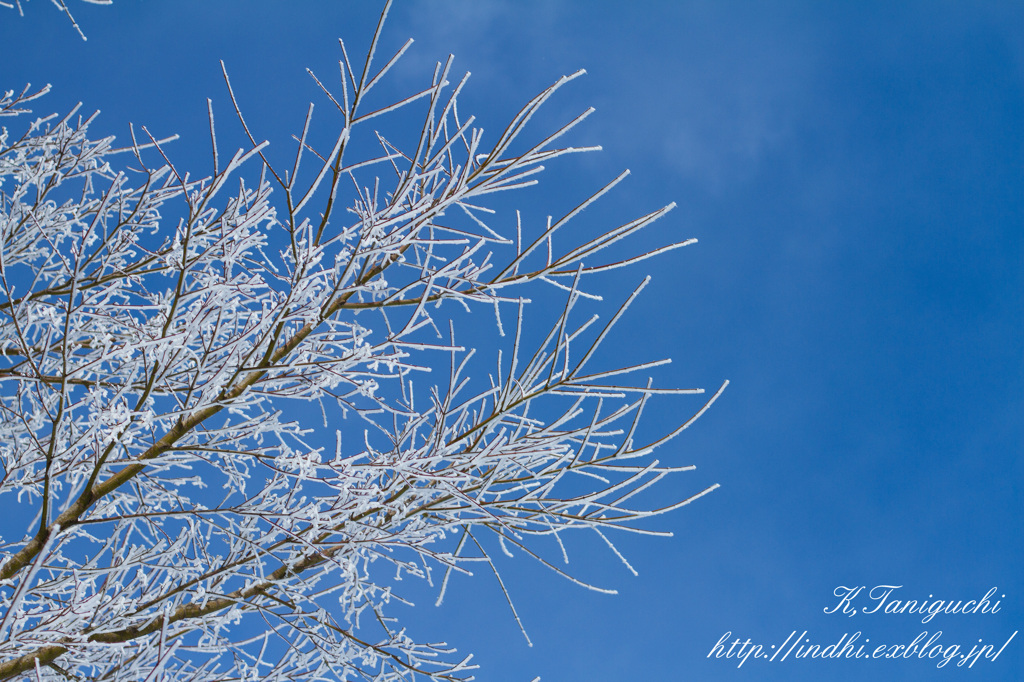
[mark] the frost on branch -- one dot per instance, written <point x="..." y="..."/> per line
<point x="59" y="4"/>
<point x="157" y="332"/>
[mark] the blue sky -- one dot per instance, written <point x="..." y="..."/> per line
<point x="855" y="175"/>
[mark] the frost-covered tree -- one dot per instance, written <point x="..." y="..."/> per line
<point x="59" y="4"/>
<point x="181" y="519"/>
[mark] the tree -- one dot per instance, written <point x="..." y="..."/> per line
<point x="185" y="522"/>
<point x="59" y="4"/>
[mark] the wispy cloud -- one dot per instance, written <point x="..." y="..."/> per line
<point x="500" y="41"/>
